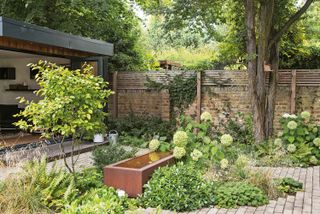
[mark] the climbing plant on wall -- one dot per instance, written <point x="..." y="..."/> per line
<point x="182" y="90"/>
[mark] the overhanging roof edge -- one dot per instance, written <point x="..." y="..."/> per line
<point x="32" y="33"/>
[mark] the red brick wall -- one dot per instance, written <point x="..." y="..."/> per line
<point x="222" y="92"/>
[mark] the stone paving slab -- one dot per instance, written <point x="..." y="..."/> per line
<point x="306" y="202"/>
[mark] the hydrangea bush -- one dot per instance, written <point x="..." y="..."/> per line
<point x="300" y="134"/>
<point x="193" y="142"/>
<point x="154" y="144"/>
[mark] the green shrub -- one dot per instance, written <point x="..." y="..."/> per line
<point x="142" y="126"/>
<point x="196" y="146"/>
<point x="288" y="185"/>
<point x="179" y="187"/>
<point x="102" y="200"/>
<point x="300" y="134"/>
<point x="133" y="141"/>
<point x="90" y="178"/>
<point x="238" y="126"/>
<point x="232" y="194"/>
<point x="109" y="154"/>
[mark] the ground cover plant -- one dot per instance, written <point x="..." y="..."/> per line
<point x="234" y="194"/>
<point x="288" y="185"/>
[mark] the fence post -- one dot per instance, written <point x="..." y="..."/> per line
<point x="293" y="91"/>
<point x="115" y="95"/>
<point x="199" y="76"/>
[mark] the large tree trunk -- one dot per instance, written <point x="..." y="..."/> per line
<point x="255" y="76"/>
<point x="267" y="50"/>
<point x="273" y="81"/>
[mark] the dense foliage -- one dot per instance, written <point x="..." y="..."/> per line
<point x="239" y="126"/>
<point x="38" y="190"/>
<point x="300" y="137"/>
<point x="43" y="189"/>
<point x="239" y="194"/>
<point x="102" y="200"/>
<point x="288" y="185"/>
<point x="109" y="20"/>
<point x="226" y="31"/>
<point x="142" y="126"/>
<point x="182" y="90"/>
<point x="180" y="188"/>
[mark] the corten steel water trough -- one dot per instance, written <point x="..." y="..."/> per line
<point x="130" y="175"/>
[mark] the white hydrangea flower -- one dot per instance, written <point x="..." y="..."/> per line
<point x="196" y="154"/>
<point x="206" y="140"/>
<point x="293" y="116"/>
<point x="154" y="144"/>
<point x="316" y="142"/>
<point x="224" y="163"/>
<point x="179" y="152"/>
<point x="292" y="125"/>
<point x="315" y="130"/>
<point x="206" y="116"/>
<point x="286" y="115"/>
<point x="180" y="138"/>
<point x="291" y="148"/>
<point x="280" y="134"/>
<point x="277" y="142"/>
<point x="226" y="140"/>
<point x="313" y="160"/>
<point x="305" y="115"/>
<point x="242" y="160"/>
<point x="214" y="142"/>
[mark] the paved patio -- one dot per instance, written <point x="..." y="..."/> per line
<point x="307" y="201"/>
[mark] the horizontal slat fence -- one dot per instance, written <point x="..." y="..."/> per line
<point x="295" y="84"/>
<point x="137" y="80"/>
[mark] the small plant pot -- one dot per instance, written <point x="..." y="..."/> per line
<point x="98" y="138"/>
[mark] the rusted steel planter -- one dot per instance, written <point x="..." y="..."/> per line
<point x="130" y="175"/>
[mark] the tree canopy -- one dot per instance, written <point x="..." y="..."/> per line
<point x="224" y="25"/>
<point x="255" y="32"/>
<point x="109" y="20"/>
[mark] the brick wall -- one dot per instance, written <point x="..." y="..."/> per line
<point x="222" y="92"/>
<point x="144" y="102"/>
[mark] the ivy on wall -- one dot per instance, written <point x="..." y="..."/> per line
<point x="182" y="90"/>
